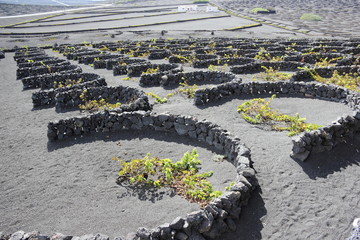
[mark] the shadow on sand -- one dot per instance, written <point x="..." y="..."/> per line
<point x="249" y="225"/>
<point x="320" y="165"/>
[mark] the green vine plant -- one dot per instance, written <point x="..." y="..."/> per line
<point x="258" y="111"/>
<point x="151" y="70"/>
<point x="186" y="59"/>
<point x="291" y="48"/>
<point x="185" y="89"/>
<point x="157" y="98"/>
<point x="325" y="62"/>
<point x="222" y="68"/>
<point x="271" y="75"/>
<point x="68" y="83"/>
<point x="183" y="176"/>
<point x="95" y="105"/>
<point x="128" y="79"/>
<point x="264" y="55"/>
<point x="47" y="66"/>
<point x="350" y="81"/>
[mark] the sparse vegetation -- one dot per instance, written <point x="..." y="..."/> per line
<point x="264" y="55"/>
<point x="350" y="81"/>
<point x="258" y="111"/>
<point x="326" y="62"/>
<point x="218" y="68"/>
<point x="310" y="17"/>
<point x="271" y="75"/>
<point x="183" y="176"/>
<point x="67" y="83"/>
<point x="257" y="10"/>
<point x="151" y="70"/>
<point x="157" y="98"/>
<point x="96" y="105"/>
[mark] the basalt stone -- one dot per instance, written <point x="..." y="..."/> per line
<point x="165" y="231"/>
<point x="119" y="238"/>
<point x="181" y="236"/>
<point x="131" y="236"/>
<point x="206" y="224"/>
<point x="180" y="128"/>
<point x="195" y="218"/>
<point x="231" y="224"/>
<point x="195" y="235"/>
<point x="217" y="229"/>
<point x="212" y="209"/>
<point x="300" y="156"/>
<point x="17" y="235"/>
<point x="156" y="232"/>
<point x="177" y="223"/>
<point x="143" y="233"/>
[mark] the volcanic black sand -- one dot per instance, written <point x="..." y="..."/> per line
<point x="69" y="186"/>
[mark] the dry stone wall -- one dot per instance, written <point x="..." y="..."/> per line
<point x="46" y="81"/>
<point x="48" y="97"/>
<point x="71" y="98"/>
<point x="173" y="79"/>
<point x="320" y="140"/>
<point x="220" y="215"/>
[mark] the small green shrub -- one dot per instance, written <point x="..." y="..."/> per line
<point x="68" y="83"/>
<point x="310" y="17"/>
<point x="187" y="90"/>
<point x="95" y="105"/>
<point x="264" y="55"/>
<point x="182" y="176"/>
<point x="256" y="10"/>
<point x="151" y="70"/>
<point x="157" y="98"/>
<point x="350" y="81"/>
<point x="271" y="75"/>
<point x="258" y="111"/>
<point x="325" y="62"/>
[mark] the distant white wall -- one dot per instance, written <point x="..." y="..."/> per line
<point x="187" y="8"/>
<point x="212" y="9"/>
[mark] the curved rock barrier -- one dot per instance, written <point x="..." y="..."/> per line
<point x="76" y="55"/>
<point x="111" y="64"/>
<point x="216" y="218"/>
<point x="222" y="61"/>
<point x="38" y="58"/>
<point x="48" y="97"/>
<point x="313" y="58"/>
<point x="47" y="61"/>
<point x="46" y="81"/>
<point x="21" y="55"/>
<point x="43" y="69"/>
<point x="320" y="140"/>
<point x="92" y="58"/>
<point x="326" y="72"/>
<point x="159" y="54"/>
<point x="256" y="67"/>
<point x="197" y="77"/>
<point x="71" y="98"/>
<point x="138" y="69"/>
